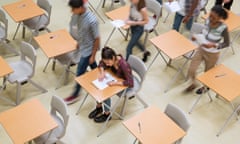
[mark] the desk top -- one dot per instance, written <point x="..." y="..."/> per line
<point x="27" y="121"/>
<point x="121" y="13"/>
<point x="5" y="68"/>
<point x="23" y="10"/>
<point x="223" y="81"/>
<point x="155" y="127"/>
<point x="173" y="44"/>
<point x="85" y="81"/>
<point x="233" y="20"/>
<point x="56" y="43"/>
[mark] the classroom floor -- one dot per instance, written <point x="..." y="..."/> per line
<point x="206" y="119"/>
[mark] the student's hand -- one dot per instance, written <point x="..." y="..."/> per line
<point x="129" y="22"/>
<point x="186" y="19"/>
<point x="226" y="1"/>
<point x="209" y="45"/>
<point x="101" y="76"/>
<point x="193" y="38"/>
<point x="112" y="83"/>
<point x="91" y="60"/>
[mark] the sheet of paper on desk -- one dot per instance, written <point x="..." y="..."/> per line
<point x="118" y="23"/>
<point x="104" y="83"/>
<point x="172" y="6"/>
<point x="200" y="39"/>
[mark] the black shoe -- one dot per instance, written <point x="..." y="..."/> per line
<point x="145" y="56"/>
<point x="202" y="90"/>
<point x="95" y="112"/>
<point x="102" y="118"/>
<point x="117" y="1"/>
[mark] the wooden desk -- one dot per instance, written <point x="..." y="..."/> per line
<point x="5" y="68"/>
<point x="27" y="121"/>
<point x="232" y="21"/>
<point x="173" y="49"/>
<point x="224" y="82"/>
<point x="85" y="81"/>
<point x="121" y="13"/>
<point x="56" y="43"/>
<point x="22" y="10"/>
<point x="155" y="127"/>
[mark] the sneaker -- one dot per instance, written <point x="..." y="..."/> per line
<point x="102" y="118"/>
<point x="71" y="99"/>
<point x="145" y="56"/>
<point x="190" y="88"/>
<point x="202" y="90"/>
<point x="95" y="112"/>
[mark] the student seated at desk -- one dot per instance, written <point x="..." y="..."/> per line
<point x="119" y="66"/>
<point x="210" y="50"/>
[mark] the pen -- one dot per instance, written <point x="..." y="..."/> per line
<point x="139" y="127"/>
<point x="220" y="75"/>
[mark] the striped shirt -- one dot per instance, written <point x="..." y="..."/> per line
<point x="84" y="29"/>
<point x="186" y="7"/>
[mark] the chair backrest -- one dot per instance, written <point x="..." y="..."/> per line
<point x="154" y="7"/>
<point x="3" y="23"/>
<point x="178" y="116"/>
<point x="29" y="55"/>
<point x="45" y="4"/>
<point x="59" y="107"/>
<point x="138" y="66"/>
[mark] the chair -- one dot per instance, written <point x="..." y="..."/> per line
<point x="139" y="72"/>
<point x="40" y="23"/>
<point x="60" y="114"/>
<point x="4" y="32"/>
<point x="112" y="3"/>
<point x="179" y="117"/>
<point x="67" y="61"/>
<point x="155" y="8"/>
<point x="24" y="69"/>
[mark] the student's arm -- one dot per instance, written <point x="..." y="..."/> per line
<point x="143" y="22"/>
<point x="226" y="40"/>
<point x="96" y="45"/>
<point x="101" y="69"/>
<point x="189" y="15"/>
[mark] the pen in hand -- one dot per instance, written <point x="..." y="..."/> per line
<point x="139" y="127"/>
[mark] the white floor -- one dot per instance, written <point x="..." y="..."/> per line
<point x="206" y="119"/>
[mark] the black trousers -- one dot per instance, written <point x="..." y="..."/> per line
<point x="226" y="5"/>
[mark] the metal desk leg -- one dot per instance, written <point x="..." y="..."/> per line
<point x="112" y="111"/>
<point x="110" y="36"/>
<point x="45" y="67"/>
<point x="14" y="36"/>
<point x="195" y="103"/>
<point x="81" y="104"/>
<point x="154" y="59"/>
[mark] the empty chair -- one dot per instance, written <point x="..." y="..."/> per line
<point x="24" y="69"/>
<point x="139" y="72"/>
<point x="112" y="3"/>
<point x="40" y="23"/>
<point x="4" y="32"/>
<point x="178" y="116"/>
<point x="60" y="114"/>
<point x="155" y="8"/>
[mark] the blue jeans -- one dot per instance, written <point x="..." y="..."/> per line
<point x="136" y="32"/>
<point x="178" y="20"/>
<point x="81" y="69"/>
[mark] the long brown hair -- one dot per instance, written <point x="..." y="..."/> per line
<point x="141" y="4"/>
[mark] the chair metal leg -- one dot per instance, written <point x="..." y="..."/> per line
<point x="37" y="86"/>
<point x="166" y="17"/>
<point x="195" y="103"/>
<point x="142" y="101"/>
<point x="145" y="39"/>
<point x="135" y="141"/>
<point x="95" y="11"/>
<point x="14" y="36"/>
<point x="23" y="32"/>
<point x="84" y="99"/>
<point x="18" y="94"/>
<point x="124" y="106"/>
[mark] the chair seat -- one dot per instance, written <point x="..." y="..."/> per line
<point x="132" y="91"/>
<point x="150" y="25"/>
<point x="55" y="134"/>
<point x="21" y="71"/>
<point x="33" y="22"/>
<point x="2" y="33"/>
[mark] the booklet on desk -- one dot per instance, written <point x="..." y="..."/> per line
<point x="118" y="23"/>
<point x="172" y="6"/>
<point x="200" y="39"/>
<point x="104" y="83"/>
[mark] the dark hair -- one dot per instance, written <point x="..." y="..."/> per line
<point x="141" y="4"/>
<point x="220" y="11"/>
<point x="108" y="53"/>
<point x="76" y="3"/>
